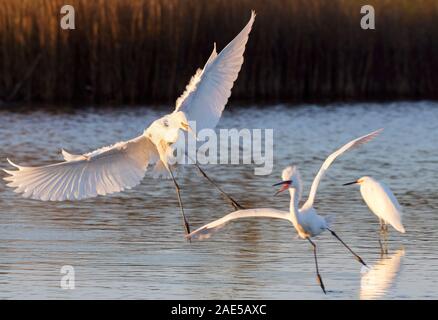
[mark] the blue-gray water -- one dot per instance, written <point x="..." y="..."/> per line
<point x="131" y="245"/>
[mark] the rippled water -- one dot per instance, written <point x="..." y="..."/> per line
<point x="131" y="245"/>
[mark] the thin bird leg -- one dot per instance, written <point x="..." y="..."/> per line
<point x="233" y="202"/>
<point x="380" y="237"/>
<point x="382" y="225"/>
<point x="382" y="249"/>
<point x="185" y="222"/>
<point x="383" y="243"/>
<point x="318" y="276"/>
<point x="385" y="240"/>
<point x="345" y="245"/>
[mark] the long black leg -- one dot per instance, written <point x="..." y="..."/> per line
<point x="381" y="225"/>
<point x="382" y="236"/>
<point x="318" y="276"/>
<point x="345" y="245"/>
<point x="185" y="222"/>
<point x="233" y="202"/>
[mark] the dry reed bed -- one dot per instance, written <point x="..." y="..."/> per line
<point x="143" y="51"/>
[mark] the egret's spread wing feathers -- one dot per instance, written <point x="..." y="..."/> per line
<point x="350" y="145"/>
<point x="103" y="171"/>
<point x="207" y="230"/>
<point x="209" y="89"/>
<point x="72" y="157"/>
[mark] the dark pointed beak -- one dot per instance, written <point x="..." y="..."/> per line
<point x="348" y="183"/>
<point x="284" y="186"/>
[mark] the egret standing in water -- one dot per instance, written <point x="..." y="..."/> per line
<point x="306" y="221"/>
<point x="124" y="164"/>
<point x="382" y="202"/>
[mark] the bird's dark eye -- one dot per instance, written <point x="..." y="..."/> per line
<point x="166" y="123"/>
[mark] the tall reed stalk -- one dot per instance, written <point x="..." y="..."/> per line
<point x="144" y="51"/>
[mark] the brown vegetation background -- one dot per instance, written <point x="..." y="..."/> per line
<point x="145" y="51"/>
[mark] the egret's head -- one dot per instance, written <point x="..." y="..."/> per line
<point x="290" y="180"/>
<point x="182" y="122"/>
<point x="358" y="181"/>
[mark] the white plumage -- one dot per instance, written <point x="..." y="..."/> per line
<point x="382" y="202"/>
<point x="351" y="145"/>
<point x="124" y="164"/>
<point x="103" y="171"/>
<point x="207" y="230"/>
<point x="208" y="91"/>
<point x="306" y="220"/>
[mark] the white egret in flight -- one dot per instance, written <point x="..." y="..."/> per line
<point x="382" y="202"/>
<point x="124" y="164"/>
<point x="306" y="220"/>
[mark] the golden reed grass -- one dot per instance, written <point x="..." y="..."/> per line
<point x="144" y="51"/>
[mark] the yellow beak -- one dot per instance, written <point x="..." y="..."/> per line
<point x="185" y="126"/>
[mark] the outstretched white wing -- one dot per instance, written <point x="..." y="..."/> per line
<point x="350" y="145"/>
<point x="206" y="231"/>
<point x="209" y="89"/>
<point x="103" y="171"/>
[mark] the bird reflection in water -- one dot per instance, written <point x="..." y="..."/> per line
<point x="377" y="280"/>
<point x="383" y="241"/>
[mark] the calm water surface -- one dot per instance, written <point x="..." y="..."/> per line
<point x="131" y="245"/>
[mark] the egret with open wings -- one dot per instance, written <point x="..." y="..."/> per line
<point x="124" y="164"/>
<point x="307" y="222"/>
